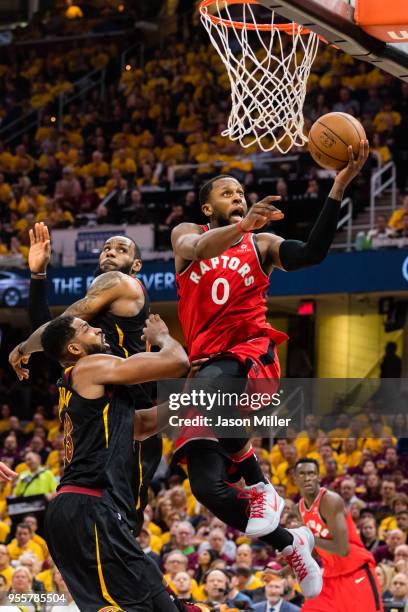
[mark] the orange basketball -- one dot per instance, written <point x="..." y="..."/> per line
<point x="329" y="137"/>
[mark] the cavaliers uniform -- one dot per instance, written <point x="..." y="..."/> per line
<point x="123" y="335"/>
<point x="349" y="583"/>
<point x="84" y="524"/>
<point x="222" y="312"/>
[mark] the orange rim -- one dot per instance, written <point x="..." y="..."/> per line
<point x="288" y="28"/>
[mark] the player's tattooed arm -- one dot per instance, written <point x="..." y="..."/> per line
<point x="104" y="290"/>
<point x="333" y="511"/>
<point x="170" y="362"/>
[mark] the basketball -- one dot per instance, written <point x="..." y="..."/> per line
<point x="330" y="136"/>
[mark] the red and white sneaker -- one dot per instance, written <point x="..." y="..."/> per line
<point x="264" y="509"/>
<point x="299" y="557"/>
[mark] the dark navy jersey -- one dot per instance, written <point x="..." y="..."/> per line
<point x="123" y="334"/>
<point x="96" y="433"/>
<point x="132" y="478"/>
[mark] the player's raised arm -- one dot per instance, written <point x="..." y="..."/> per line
<point x="191" y="244"/>
<point x="104" y="290"/>
<point x="84" y="345"/>
<point x="292" y="255"/>
<point x="39" y="256"/>
<point x="332" y="508"/>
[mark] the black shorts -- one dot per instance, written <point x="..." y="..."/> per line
<point x="100" y="560"/>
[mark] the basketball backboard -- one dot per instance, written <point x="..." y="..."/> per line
<point x="335" y="21"/>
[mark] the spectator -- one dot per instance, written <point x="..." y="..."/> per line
<point x="218" y="589"/>
<point x="21" y="582"/>
<point x="184" y="542"/>
<point x="10" y="450"/>
<point x="401" y="558"/>
<point x="399" y="588"/>
<point x="37" y="480"/>
<point x="68" y="188"/>
<point x="4" y="592"/>
<point x="23" y="542"/>
<point x="205" y="560"/>
<point x="384" y="576"/>
<point x="30" y="561"/>
<point x="33" y="523"/>
<point x="135" y="210"/>
<point x="183" y="586"/>
<point x="396" y="221"/>
<point x="331" y="473"/>
<point x="393" y="538"/>
<point x="372" y="493"/>
<point x="174" y="563"/>
<point x="388" y="490"/>
<point x="248" y="582"/>
<point x="236" y="599"/>
<point x="402" y="522"/>
<point x="403" y="231"/>
<point x="6" y="571"/>
<point x="144" y="538"/>
<point x="274" y="591"/>
<point x="218" y="542"/>
<point x="381" y="234"/>
<point x="369" y="534"/>
<point x="348" y="492"/>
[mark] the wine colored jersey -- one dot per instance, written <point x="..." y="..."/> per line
<point x="222" y="300"/>
<point x="334" y="565"/>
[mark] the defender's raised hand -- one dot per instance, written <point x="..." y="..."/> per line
<point x="40" y="248"/>
<point x="16" y="359"/>
<point x="155" y="330"/>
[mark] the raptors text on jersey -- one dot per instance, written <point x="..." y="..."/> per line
<point x="222" y="300"/>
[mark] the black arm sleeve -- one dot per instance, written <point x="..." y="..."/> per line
<point x="38" y="310"/>
<point x="295" y="254"/>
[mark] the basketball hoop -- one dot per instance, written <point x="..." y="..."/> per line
<point x="268" y="65"/>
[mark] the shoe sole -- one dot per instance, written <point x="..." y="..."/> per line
<point x="271" y="527"/>
<point x="309" y="536"/>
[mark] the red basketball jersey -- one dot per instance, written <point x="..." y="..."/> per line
<point x="333" y="564"/>
<point x="222" y="300"/>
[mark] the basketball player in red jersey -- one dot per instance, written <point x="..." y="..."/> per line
<point x="222" y="273"/>
<point x="349" y="580"/>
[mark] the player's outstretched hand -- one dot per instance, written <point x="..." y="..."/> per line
<point x="154" y="330"/>
<point x="261" y="213"/>
<point x="6" y="473"/>
<point x="345" y="176"/>
<point x="16" y="359"/>
<point x="40" y="248"/>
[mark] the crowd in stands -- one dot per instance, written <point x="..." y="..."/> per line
<point x="168" y="112"/>
<point x="389" y="232"/>
<point x="362" y="456"/>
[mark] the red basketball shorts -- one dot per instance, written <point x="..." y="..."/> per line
<point x="355" y="592"/>
<point x="262" y="364"/>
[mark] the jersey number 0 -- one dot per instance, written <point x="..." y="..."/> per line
<point x="220" y="291"/>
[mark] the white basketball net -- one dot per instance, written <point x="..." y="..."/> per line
<point x="268" y="73"/>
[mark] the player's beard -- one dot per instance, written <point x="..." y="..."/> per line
<point x="126" y="269"/>
<point x="222" y="221"/>
<point x="97" y="349"/>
